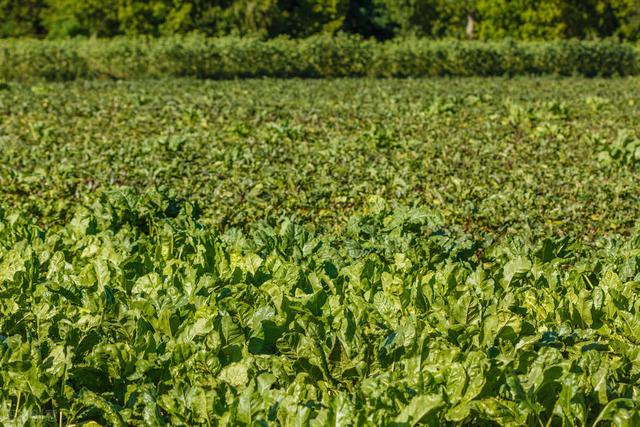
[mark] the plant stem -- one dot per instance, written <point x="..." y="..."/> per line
<point x="15" y="416"/>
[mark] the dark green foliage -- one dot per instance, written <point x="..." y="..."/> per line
<point x="551" y="19"/>
<point x="369" y="19"/>
<point x="81" y="18"/>
<point x="19" y="18"/>
<point x="381" y="19"/>
<point x="318" y="56"/>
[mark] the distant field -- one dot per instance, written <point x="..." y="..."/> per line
<point x="320" y="252"/>
<point x="497" y="156"/>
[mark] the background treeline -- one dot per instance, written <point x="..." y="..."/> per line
<point x="382" y="19"/>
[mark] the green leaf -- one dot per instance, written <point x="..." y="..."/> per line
<point x="421" y="409"/>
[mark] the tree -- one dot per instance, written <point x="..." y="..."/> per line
<point x="413" y="17"/>
<point x="301" y="18"/>
<point x="64" y="18"/>
<point x="370" y="18"/>
<point x="21" y="18"/>
<point x="627" y="19"/>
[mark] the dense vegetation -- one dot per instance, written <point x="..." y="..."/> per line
<point x="318" y="56"/>
<point x="548" y="156"/>
<point x="320" y="252"/>
<point x="132" y="313"/>
<point x="520" y="19"/>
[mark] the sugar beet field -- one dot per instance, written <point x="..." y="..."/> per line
<point x="320" y="252"/>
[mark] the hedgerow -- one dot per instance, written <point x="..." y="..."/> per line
<point x="318" y="56"/>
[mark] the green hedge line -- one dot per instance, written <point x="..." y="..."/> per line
<point x="321" y="56"/>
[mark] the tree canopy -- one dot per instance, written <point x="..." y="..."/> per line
<point x="382" y="19"/>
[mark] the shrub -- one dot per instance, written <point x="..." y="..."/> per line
<point x="318" y="56"/>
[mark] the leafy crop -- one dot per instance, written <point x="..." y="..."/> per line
<point x="624" y="150"/>
<point x="135" y="313"/>
<point x="499" y="156"/>
<point x="347" y="252"/>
